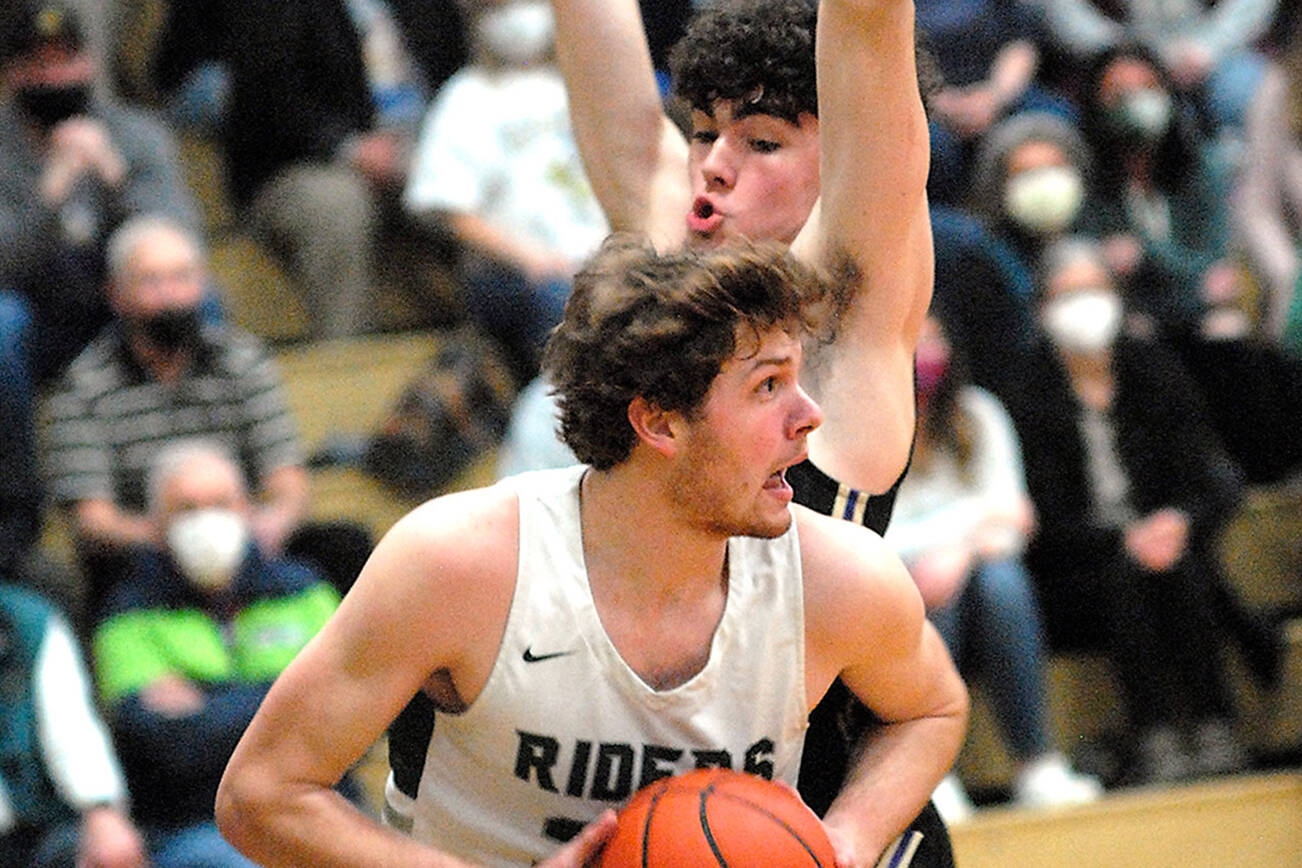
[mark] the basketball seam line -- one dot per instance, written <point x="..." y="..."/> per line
<point x="766" y="812"/>
<point x="705" y="828"/>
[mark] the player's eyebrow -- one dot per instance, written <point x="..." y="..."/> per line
<point x="785" y="360"/>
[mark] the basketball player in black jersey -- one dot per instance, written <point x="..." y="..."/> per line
<point x="807" y="127"/>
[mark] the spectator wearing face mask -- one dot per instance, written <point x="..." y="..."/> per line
<point x="1159" y="200"/>
<point x="1030" y="181"/>
<point x="1028" y="186"/>
<point x="157" y="374"/>
<point x="73" y="165"/>
<point x="189" y="643"/>
<point x="1209" y="47"/>
<point x="496" y="160"/>
<point x="1131" y="487"/>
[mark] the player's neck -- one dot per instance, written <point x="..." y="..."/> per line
<point x="632" y="536"/>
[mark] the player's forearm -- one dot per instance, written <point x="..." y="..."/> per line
<point x="898" y="767"/>
<point x="900" y="762"/>
<point x="874" y="152"/>
<point x="294" y="825"/>
<point x="615" y="106"/>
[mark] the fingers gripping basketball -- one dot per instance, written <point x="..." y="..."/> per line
<point x="717" y="817"/>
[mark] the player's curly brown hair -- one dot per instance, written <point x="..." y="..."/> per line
<point x="660" y="326"/>
<point x="759" y="52"/>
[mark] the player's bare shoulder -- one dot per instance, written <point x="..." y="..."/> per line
<point x="476" y="530"/>
<point x="851" y="576"/>
<point x="457" y="552"/>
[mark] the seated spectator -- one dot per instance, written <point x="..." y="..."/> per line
<point x="155" y="375"/>
<point x="21" y="500"/>
<point x="72" y="166"/>
<point x="62" y="801"/>
<point x="1207" y="46"/>
<point x="497" y="161"/>
<point x="1158" y="201"/>
<point x="1161" y="208"/>
<point x="1131" y="488"/>
<point x="1030" y="179"/>
<point x="960" y="525"/>
<point x="323" y="104"/>
<point x="987" y="56"/>
<point x="189" y="643"/>
<point x="1269" y="196"/>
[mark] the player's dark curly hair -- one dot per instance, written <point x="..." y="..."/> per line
<point x="759" y="52"/>
<point x="660" y="326"/>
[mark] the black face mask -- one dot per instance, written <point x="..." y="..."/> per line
<point x="48" y="105"/>
<point x="174" y="330"/>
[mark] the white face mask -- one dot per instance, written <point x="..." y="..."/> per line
<point x="1046" y="200"/>
<point x="1148" y="112"/>
<point x="517" y="32"/>
<point x="209" y="545"/>
<point x="1085" y="322"/>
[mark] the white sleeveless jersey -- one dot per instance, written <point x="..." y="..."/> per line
<point x="564" y="729"/>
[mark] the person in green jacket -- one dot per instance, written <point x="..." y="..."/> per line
<point x="190" y="641"/>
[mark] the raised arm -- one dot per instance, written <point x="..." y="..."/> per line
<point x="874" y="156"/>
<point x="428" y="591"/>
<point x="635" y="157"/>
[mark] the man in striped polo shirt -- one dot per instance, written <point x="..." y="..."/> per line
<point x="157" y="374"/>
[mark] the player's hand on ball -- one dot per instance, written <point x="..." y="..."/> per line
<point x="585" y="847"/>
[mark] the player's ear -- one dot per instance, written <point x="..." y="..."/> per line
<point x="654" y="426"/>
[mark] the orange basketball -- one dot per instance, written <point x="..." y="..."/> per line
<point x="717" y="817"/>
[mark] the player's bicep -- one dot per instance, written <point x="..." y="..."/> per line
<point x="874" y="142"/>
<point x="917" y="680"/>
<point x="333" y="701"/>
<point x="396" y="626"/>
<point x="869" y="624"/>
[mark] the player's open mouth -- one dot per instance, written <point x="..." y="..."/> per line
<point x="777" y="481"/>
<point x="703" y="218"/>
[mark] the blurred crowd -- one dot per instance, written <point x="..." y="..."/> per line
<point x="1114" y="357"/>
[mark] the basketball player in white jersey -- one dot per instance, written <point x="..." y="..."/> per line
<point x="584" y="631"/>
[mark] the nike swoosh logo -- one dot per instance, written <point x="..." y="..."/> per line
<point x="530" y="657"/>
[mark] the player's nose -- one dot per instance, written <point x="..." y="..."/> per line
<point x="806" y="414"/>
<point x="718" y="168"/>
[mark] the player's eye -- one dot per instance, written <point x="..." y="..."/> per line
<point x="764" y="146"/>
<point x="705" y="137"/>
